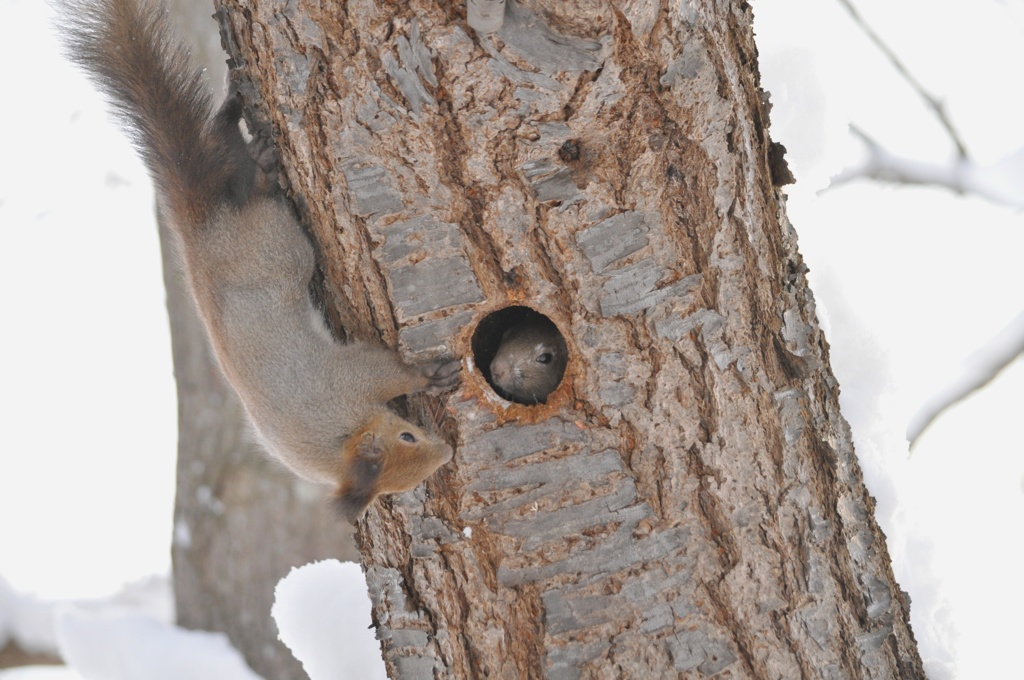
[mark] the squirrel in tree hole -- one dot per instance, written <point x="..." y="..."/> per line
<point x="530" y="361"/>
<point x="318" y="405"/>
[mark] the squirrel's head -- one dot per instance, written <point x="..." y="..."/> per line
<point x="529" y="364"/>
<point x="385" y="455"/>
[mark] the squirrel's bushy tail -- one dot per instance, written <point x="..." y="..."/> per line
<point x="131" y="53"/>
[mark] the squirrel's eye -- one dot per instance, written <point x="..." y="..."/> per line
<point x="408" y="437"/>
<point x="545" y="358"/>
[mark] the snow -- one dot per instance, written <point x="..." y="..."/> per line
<point x="40" y="673"/>
<point x="132" y="646"/>
<point x="910" y="284"/>
<point x="322" y="611"/>
<point x="127" y="636"/>
<point x="30" y="621"/>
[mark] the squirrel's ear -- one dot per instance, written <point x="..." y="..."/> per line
<point x="361" y="477"/>
<point x="350" y="505"/>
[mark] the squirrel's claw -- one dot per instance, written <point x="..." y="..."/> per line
<point x="443" y="375"/>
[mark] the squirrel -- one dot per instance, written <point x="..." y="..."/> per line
<point x="529" y="362"/>
<point x="317" y="405"/>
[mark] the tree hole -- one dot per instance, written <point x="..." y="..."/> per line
<point x="521" y="354"/>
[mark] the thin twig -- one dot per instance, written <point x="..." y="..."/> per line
<point x="982" y="369"/>
<point x="933" y="102"/>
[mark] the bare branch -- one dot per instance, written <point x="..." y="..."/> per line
<point x="937" y="107"/>
<point x="996" y="183"/>
<point x="883" y="166"/>
<point x="978" y="371"/>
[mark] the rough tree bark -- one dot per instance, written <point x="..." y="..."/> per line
<point x="688" y="502"/>
<point x="241" y="520"/>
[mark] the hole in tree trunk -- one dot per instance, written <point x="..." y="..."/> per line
<point x="521" y="353"/>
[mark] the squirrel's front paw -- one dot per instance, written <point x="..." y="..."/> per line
<point x="264" y="153"/>
<point x="443" y="375"/>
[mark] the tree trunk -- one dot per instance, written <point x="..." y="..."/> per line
<point x="688" y="501"/>
<point x="241" y="520"/>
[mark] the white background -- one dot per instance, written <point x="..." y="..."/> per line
<point x="909" y="283"/>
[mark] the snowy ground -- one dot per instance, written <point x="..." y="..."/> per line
<point x="910" y="282"/>
<point x="322" y="611"/>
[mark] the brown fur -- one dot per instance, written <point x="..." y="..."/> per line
<point x="318" y="405"/>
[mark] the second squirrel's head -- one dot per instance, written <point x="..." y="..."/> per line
<point x="529" y="363"/>
<point x="385" y="455"/>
